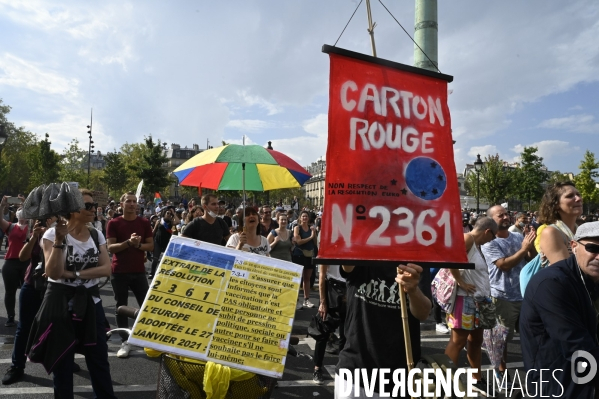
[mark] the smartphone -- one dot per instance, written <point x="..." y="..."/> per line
<point x="13" y="200"/>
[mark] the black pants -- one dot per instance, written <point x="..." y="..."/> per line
<point x="121" y="283"/>
<point x="155" y="258"/>
<point x="321" y="344"/>
<point x="13" y="274"/>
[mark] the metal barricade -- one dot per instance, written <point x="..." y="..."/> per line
<point x="181" y="379"/>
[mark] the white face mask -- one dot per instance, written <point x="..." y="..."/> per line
<point x="212" y="214"/>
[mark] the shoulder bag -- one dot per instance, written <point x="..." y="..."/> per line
<point x="444" y="289"/>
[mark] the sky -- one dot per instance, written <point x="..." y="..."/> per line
<point x="526" y="73"/>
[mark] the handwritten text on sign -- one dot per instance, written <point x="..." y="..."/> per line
<point x="391" y="186"/>
<point x="214" y="303"/>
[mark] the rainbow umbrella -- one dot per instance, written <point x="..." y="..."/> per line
<point x="241" y="167"/>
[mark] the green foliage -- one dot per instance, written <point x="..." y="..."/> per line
<point x="285" y="195"/>
<point x="73" y="168"/>
<point x="151" y="170"/>
<point x="44" y="163"/>
<point x="495" y="180"/>
<point x="557" y="176"/>
<point x="114" y="175"/>
<point x="133" y="158"/>
<point x="16" y="155"/>
<point x="530" y="176"/>
<point x="586" y="180"/>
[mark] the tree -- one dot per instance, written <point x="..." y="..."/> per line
<point x="530" y="176"/>
<point x="15" y="172"/>
<point x="151" y="170"/>
<point x="133" y="158"/>
<point x="115" y="175"/>
<point x="72" y="164"/>
<point x="585" y="180"/>
<point x="14" y="165"/>
<point x="495" y="180"/>
<point x="556" y="177"/>
<point x="44" y="163"/>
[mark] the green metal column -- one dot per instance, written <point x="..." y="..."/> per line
<point x="425" y="34"/>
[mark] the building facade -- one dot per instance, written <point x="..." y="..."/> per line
<point x="176" y="156"/>
<point x="314" y="190"/>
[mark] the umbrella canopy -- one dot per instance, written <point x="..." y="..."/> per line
<point x="222" y="169"/>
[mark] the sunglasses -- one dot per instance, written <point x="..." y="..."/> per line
<point x="90" y="205"/>
<point x="591" y="248"/>
<point x="493" y="234"/>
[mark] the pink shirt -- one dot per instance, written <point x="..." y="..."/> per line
<point x="16" y="240"/>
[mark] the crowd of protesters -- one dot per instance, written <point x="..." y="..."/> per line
<point x="368" y="334"/>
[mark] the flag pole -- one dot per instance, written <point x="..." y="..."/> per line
<point x="243" y="187"/>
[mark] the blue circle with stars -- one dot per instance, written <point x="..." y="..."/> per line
<point x="426" y="178"/>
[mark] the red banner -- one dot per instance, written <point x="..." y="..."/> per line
<point x="391" y="185"/>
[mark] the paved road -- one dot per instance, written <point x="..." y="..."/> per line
<point x="136" y="377"/>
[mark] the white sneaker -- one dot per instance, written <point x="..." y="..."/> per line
<point x="308" y="304"/>
<point x="442" y="328"/>
<point x="124" y="351"/>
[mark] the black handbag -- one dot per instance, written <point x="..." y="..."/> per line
<point x="321" y="329"/>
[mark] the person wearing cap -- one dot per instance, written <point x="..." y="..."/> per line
<point x="558" y="320"/>
<point x="222" y="213"/>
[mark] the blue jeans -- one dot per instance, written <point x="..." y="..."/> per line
<point x="30" y="301"/>
<point x="96" y="358"/>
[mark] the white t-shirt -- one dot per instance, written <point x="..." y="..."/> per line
<point x="78" y="256"/>
<point x="333" y="272"/>
<point x="263" y="249"/>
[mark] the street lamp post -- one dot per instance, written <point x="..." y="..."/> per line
<point x="91" y="142"/>
<point x="478" y="165"/>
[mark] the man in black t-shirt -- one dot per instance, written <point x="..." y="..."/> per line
<point x="373" y="326"/>
<point x="209" y="228"/>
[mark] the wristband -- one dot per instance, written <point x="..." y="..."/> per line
<point x="139" y="246"/>
<point x="61" y="246"/>
<point x="129" y="243"/>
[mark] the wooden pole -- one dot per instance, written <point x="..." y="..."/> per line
<point x="371" y="28"/>
<point x="406" y="327"/>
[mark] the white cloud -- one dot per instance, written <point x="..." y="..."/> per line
<point x="250" y="125"/>
<point x="103" y="32"/>
<point x="548" y="149"/>
<point x="19" y="73"/>
<point x="250" y="101"/>
<point x="583" y="123"/>
<point x="308" y="148"/>
<point x="69" y="127"/>
<point x="483" y="151"/>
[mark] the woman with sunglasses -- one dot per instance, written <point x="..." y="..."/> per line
<point x="71" y="317"/>
<point x="248" y="238"/>
<point x="13" y="271"/>
<point x="473" y="285"/>
<point x="560" y="207"/>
